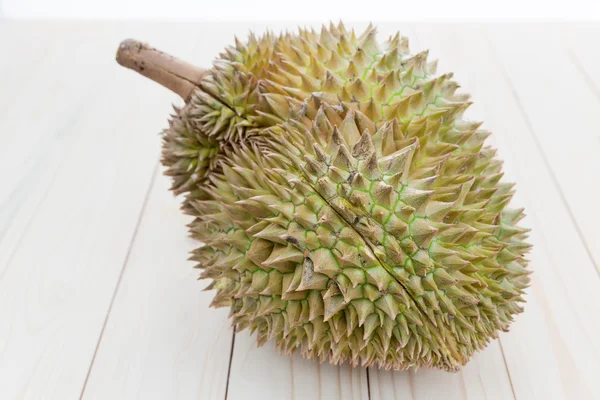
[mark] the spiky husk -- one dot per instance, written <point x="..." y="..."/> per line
<point x="346" y="207"/>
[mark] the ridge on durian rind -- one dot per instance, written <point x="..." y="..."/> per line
<point x="347" y="209"/>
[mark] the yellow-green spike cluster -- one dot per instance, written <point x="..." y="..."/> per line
<point x="346" y="208"/>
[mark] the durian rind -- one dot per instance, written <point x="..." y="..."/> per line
<point x="346" y="207"/>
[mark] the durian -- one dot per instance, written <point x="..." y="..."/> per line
<point x="345" y="207"/>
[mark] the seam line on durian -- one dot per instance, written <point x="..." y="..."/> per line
<point x="452" y="348"/>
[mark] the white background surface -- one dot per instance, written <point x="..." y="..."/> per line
<point x="97" y="300"/>
<point x="308" y="10"/>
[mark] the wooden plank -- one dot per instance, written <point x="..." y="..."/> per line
<point x="552" y="349"/>
<point x="162" y="340"/>
<point x="533" y="180"/>
<point x="204" y="335"/>
<point x="572" y="290"/>
<point x="26" y="48"/>
<point x="34" y="128"/>
<point x="27" y="125"/>
<point x="563" y="119"/>
<point x="262" y="373"/>
<point x="580" y="42"/>
<point x="84" y="169"/>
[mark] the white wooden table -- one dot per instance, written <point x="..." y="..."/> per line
<point x="98" y="301"/>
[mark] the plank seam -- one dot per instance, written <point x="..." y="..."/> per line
<point x="512" y="387"/>
<point x="114" y="296"/>
<point x="368" y="385"/>
<point x="230" y="362"/>
<point x="586" y="77"/>
<point x="538" y="146"/>
<point x="60" y="152"/>
<point x="32" y="218"/>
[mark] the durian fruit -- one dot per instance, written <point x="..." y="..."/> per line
<point x="344" y="205"/>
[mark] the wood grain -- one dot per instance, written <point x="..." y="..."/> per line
<point x="262" y="373"/>
<point x="81" y="170"/>
<point x="562" y="119"/>
<point x="162" y="340"/>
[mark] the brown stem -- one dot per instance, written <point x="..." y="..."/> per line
<point x="174" y="74"/>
